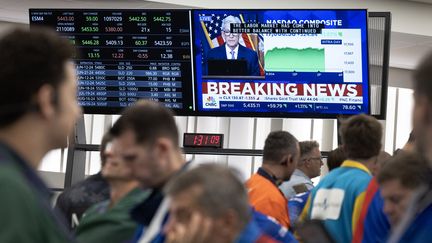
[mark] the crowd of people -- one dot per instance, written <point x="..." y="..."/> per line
<point x="147" y="192"/>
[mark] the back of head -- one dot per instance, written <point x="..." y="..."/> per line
<point x="409" y="168"/>
<point x="29" y="60"/>
<point x="148" y="120"/>
<point x="361" y="137"/>
<point x="220" y="190"/>
<point x="423" y="77"/>
<point x="277" y="145"/>
<point x="335" y="158"/>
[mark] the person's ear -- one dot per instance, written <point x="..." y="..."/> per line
<point x="44" y="101"/>
<point x="289" y="159"/>
<point x="162" y="147"/>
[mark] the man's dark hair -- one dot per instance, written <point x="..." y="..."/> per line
<point x="423" y="77"/>
<point x="335" y="158"/>
<point x="410" y="169"/>
<point x="220" y="190"/>
<point x="307" y="146"/>
<point x="106" y="139"/>
<point x="29" y="60"/>
<point x="148" y="120"/>
<point x="277" y="145"/>
<point x="361" y="136"/>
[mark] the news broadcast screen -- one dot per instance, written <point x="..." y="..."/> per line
<point x="281" y="63"/>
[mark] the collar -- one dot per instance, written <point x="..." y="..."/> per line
<point x="355" y="164"/>
<point x="143" y="212"/>
<point x="267" y="175"/>
<point x="302" y="175"/>
<point x="251" y="233"/>
<point x="228" y="51"/>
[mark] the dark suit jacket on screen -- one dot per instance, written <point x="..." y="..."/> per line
<point x="244" y="53"/>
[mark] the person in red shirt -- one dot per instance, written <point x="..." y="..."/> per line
<point x="280" y="157"/>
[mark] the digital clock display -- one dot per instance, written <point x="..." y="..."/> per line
<point x="196" y="140"/>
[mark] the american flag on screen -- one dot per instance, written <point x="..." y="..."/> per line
<point x="212" y="31"/>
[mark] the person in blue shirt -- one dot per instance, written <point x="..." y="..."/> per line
<point x="338" y="197"/>
<point x="399" y="180"/>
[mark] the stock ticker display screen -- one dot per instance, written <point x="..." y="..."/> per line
<point x="126" y="55"/>
<point x="262" y="63"/>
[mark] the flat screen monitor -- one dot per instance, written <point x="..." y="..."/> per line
<point x="235" y="63"/>
<point x="299" y="63"/>
<point x="127" y="55"/>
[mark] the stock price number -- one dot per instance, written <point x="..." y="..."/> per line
<point x="163" y="43"/>
<point x="251" y="105"/>
<point x="162" y="19"/>
<point x="349" y="107"/>
<point x="166" y="56"/>
<point x="200" y="140"/>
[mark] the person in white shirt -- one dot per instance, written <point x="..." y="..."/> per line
<point x="308" y="167"/>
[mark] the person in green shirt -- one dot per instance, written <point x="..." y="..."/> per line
<point x="38" y="110"/>
<point x="110" y="221"/>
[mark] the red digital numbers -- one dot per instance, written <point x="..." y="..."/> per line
<point x="203" y="140"/>
<point x="198" y="139"/>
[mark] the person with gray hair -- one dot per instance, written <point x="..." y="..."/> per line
<point x="232" y="50"/>
<point x="212" y="199"/>
<point x="308" y="167"/>
<point x="210" y="204"/>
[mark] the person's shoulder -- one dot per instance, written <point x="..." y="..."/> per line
<point x="247" y="50"/>
<point x="17" y="195"/>
<point x="11" y="180"/>
<point x="217" y="49"/>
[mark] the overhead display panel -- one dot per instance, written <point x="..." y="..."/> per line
<point x="289" y="63"/>
<point x="126" y="55"/>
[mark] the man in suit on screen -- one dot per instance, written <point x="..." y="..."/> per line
<point x="232" y="50"/>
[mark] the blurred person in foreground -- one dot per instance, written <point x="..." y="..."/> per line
<point x="75" y="200"/>
<point x="109" y="221"/>
<point x="416" y="224"/>
<point x="147" y="139"/>
<point x="210" y="204"/>
<point x="280" y="157"/>
<point x="308" y="167"/>
<point x="38" y="110"/>
<point x="398" y="180"/>
<point x="337" y="198"/>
